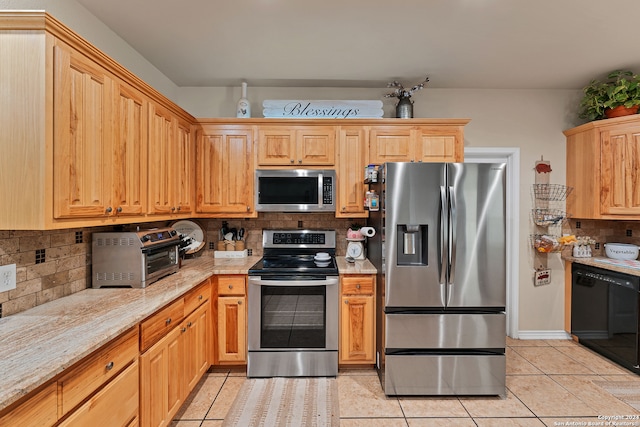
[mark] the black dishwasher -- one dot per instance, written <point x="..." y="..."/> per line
<point x="604" y="313"/>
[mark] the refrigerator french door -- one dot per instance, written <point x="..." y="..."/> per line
<point x="440" y="255"/>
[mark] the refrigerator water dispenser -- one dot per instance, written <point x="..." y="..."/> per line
<point x="412" y="244"/>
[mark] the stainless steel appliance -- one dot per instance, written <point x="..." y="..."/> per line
<point x="295" y="190"/>
<point x="604" y="313"/>
<point x="133" y="259"/>
<point x="293" y="306"/>
<point x="440" y="256"/>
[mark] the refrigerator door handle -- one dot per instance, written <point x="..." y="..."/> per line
<point x="452" y="235"/>
<point x="442" y="247"/>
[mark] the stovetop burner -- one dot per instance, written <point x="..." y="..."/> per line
<point x="292" y="252"/>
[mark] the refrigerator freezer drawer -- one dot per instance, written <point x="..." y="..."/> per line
<point x="425" y="375"/>
<point x="445" y="331"/>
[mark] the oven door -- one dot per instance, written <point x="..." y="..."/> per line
<point x="293" y="327"/>
<point x="290" y="315"/>
<point x="159" y="261"/>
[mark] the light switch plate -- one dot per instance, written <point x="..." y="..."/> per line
<point x="7" y="277"/>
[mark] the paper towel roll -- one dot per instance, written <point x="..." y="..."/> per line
<point x="368" y="231"/>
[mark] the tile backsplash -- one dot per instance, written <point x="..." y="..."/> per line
<point x="56" y="263"/>
<point x="604" y="232"/>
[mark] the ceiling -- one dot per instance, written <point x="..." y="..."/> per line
<point x="499" y="44"/>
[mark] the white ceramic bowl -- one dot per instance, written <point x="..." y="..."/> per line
<point x="323" y="264"/>
<point x="621" y="251"/>
<point x="322" y="256"/>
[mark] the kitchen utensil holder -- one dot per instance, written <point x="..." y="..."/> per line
<point x="545" y="217"/>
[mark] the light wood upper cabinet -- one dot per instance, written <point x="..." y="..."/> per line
<point x="603" y="167"/>
<point x="129" y="151"/>
<point x="82" y="135"/>
<point x="76" y="137"/>
<point x="434" y="143"/>
<point x="296" y="146"/>
<point x="224" y="170"/>
<point x="352" y="159"/>
<point x="620" y="179"/>
<point x="170" y="163"/>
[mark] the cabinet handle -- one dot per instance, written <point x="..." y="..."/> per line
<point x="346" y="301"/>
<point x="344" y="208"/>
<point x="109" y="366"/>
<point x="189" y="325"/>
<point x="183" y="330"/>
<point x="230" y="286"/>
<point x="300" y="161"/>
<point x="239" y="302"/>
<point x="292" y="160"/>
<point x="200" y="297"/>
<point x="119" y="209"/>
<point x="358" y="286"/>
<point x="166" y="322"/>
<point x="109" y="209"/>
<point x="248" y="208"/>
<point x="173" y="208"/>
<point x="178" y="208"/>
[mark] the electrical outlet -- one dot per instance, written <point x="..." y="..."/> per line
<point x="7" y="277"/>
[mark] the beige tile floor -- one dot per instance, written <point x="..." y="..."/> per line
<point x="549" y="383"/>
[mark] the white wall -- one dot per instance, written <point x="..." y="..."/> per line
<point x="530" y="119"/>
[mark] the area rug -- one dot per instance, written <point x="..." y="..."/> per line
<point x="627" y="391"/>
<point x="279" y="402"/>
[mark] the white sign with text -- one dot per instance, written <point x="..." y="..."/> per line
<point x="310" y="109"/>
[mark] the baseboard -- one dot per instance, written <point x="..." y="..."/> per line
<point x="543" y="335"/>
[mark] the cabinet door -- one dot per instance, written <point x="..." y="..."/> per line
<point x="197" y="345"/>
<point x="160" y="174"/>
<point x="390" y="144"/>
<point x="276" y="146"/>
<point x="129" y="151"/>
<point x="356" y="332"/>
<point x="38" y="411"/>
<point x="184" y="172"/>
<point x="115" y="405"/>
<point x="439" y="144"/>
<point x="82" y="135"/>
<point x="352" y="159"/>
<point x="620" y="172"/>
<point x="225" y="171"/>
<point x="315" y="146"/>
<point x="159" y="380"/>
<point x="232" y="329"/>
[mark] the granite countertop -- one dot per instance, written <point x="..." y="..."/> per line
<point x="358" y="267"/>
<point x="41" y="342"/>
<point x="631" y="267"/>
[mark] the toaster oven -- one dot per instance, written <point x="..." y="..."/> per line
<point x="133" y="259"/>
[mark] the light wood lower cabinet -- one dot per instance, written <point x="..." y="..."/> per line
<point x="231" y="326"/>
<point x="171" y="367"/>
<point x="38" y="411"/>
<point x="357" y="319"/>
<point x="115" y="405"/>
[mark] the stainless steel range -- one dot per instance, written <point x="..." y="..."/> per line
<point x="293" y="305"/>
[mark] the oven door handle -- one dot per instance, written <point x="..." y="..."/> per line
<point x="330" y="281"/>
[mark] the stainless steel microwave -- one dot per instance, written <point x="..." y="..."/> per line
<point x="295" y="190"/>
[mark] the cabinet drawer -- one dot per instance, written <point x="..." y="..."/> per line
<point x="38" y="411"/>
<point x="159" y="324"/>
<point x="195" y="297"/>
<point x="114" y="405"/>
<point x="97" y="369"/>
<point x="357" y="285"/>
<point x="231" y="285"/>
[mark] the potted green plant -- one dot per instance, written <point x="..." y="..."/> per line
<point x="619" y="95"/>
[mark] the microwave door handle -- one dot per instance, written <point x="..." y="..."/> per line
<point x="320" y="190"/>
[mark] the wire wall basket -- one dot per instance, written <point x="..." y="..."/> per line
<point x="546" y="217"/>
<point x="546" y="243"/>
<point x="555" y="192"/>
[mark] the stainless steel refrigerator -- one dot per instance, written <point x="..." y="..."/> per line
<point x="441" y="294"/>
